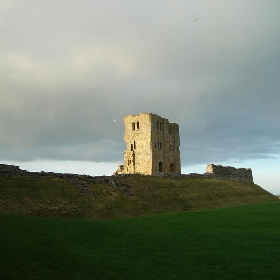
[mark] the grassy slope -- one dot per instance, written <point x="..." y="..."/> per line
<point x="54" y="197"/>
<point x="227" y="243"/>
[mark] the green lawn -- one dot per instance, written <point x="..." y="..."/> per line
<point x="241" y="242"/>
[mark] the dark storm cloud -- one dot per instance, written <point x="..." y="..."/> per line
<point x="69" y="69"/>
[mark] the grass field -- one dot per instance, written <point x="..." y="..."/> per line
<point x="241" y="242"/>
<point x="57" y="198"/>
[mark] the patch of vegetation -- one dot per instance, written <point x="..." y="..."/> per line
<point x="240" y="242"/>
<point x="143" y="195"/>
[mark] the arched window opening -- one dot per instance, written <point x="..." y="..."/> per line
<point x="137" y="125"/>
<point x="160" y="126"/>
<point x="134" y="145"/>
<point x="131" y="147"/>
<point x="157" y="125"/>
<point x="172" y="167"/>
<point x="133" y="126"/>
<point x="160" y="167"/>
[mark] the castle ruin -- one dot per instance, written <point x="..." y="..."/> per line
<point x="152" y="145"/>
<point x="229" y="173"/>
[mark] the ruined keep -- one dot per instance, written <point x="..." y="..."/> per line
<point x="152" y="145"/>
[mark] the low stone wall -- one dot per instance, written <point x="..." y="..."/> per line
<point x="81" y="181"/>
<point x="6" y="168"/>
<point x="229" y="173"/>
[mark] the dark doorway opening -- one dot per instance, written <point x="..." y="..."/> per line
<point x="160" y="167"/>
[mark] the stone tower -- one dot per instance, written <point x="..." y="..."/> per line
<point x="152" y="145"/>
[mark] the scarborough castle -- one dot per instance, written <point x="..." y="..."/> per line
<point x="153" y="148"/>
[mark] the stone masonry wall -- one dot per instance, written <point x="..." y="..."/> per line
<point x="229" y="173"/>
<point x="6" y="168"/>
<point x="165" y="142"/>
<point x="137" y="135"/>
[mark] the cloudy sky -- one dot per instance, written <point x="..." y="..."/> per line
<point x="69" y="68"/>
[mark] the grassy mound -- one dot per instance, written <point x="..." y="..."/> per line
<point x="55" y="197"/>
<point x="240" y="242"/>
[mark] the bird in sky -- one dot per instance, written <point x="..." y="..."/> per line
<point x="195" y="19"/>
<point x="115" y="121"/>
